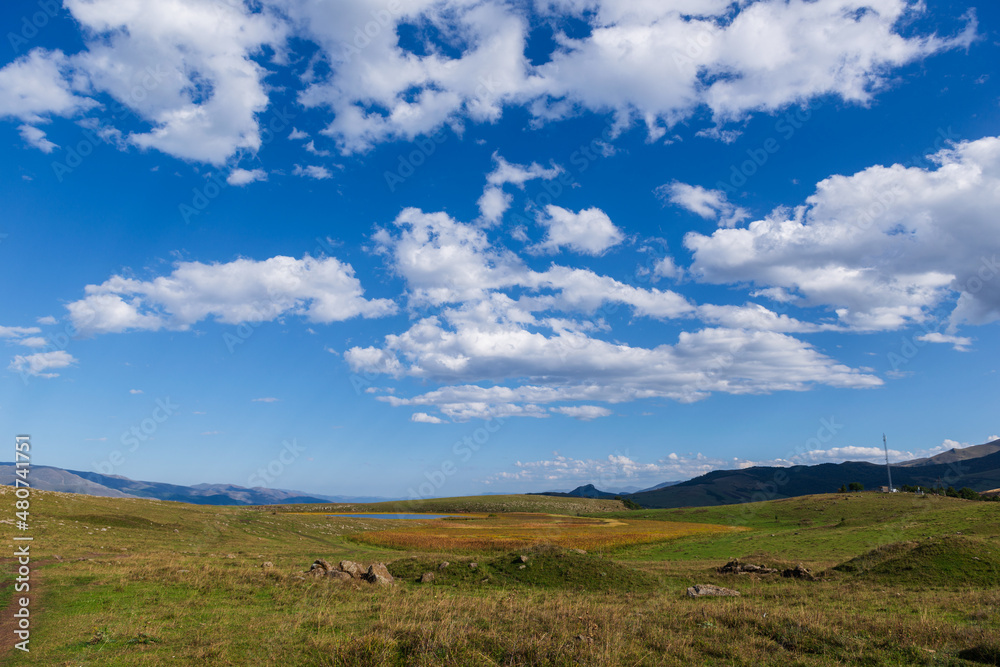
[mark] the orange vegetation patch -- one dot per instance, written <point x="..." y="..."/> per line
<point x="518" y="530"/>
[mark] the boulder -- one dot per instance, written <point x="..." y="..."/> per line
<point x="700" y="590"/>
<point x="798" y="572"/>
<point x="736" y="567"/>
<point x="351" y="568"/>
<point x="427" y="578"/>
<point x="523" y="559"/>
<point x="319" y="568"/>
<point x="341" y="576"/>
<point x="473" y="566"/>
<point x="578" y="551"/>
<point x="266" y="565"/>
<point x="378" y="574"/>
<point x="443" y="565"/>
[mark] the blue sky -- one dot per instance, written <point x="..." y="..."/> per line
<point x="440" y="248"/>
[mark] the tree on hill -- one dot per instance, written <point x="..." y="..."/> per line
<point x="856" y="486"/>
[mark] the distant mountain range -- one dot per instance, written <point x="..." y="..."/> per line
<point x="976" y="467"/>
<point x="48" y="478"/>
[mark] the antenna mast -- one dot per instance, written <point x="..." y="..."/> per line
<point x="885" y="445"/>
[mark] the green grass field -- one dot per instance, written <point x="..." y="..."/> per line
<point x="901" y="581"/>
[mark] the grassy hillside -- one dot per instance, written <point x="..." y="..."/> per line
<point x="767" y="483"/>
<point x="139" y="582"/>
<point x="470" y="504"/>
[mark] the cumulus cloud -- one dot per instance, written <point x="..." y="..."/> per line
<point x="36" y="86"/>
<point x="506" y="172"/>
<point x="244" y="290"/>
<point x="589" y="232"/>
<point x="882" y="247"/>
<point x="40" y="364"/>
<point x="655" y="63"/>
<point x="185" y="66"/>
<point x="498" y="322"/>
<point x="245" y="176"/>
<point x="18" y="332"/>
<point x="583" y="412"/>
<point x="192" y="69"/>
<point x="424" y="418"/>
<point x="960" y="343"/>
<point x="312" y="171"/>
<point x="709" y="204"/>
<point x="35" y="137"/>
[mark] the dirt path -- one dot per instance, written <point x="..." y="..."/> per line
<point x="8" y="624"/>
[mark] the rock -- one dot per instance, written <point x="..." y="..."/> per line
<point x="378" y="574"/>
<point x="798" y="572"/>
<point x="427" y="578"/>
<point x="320" y="564"/>
<point x="521" y="567"/>
<point x="351" y="568"/>
<point x="473" y="566"/>
<point x="443" y="565"/>
<point x="230" y="556"/>
<point x="699" y="590"/>
<point x="266" y="565"/>
<point x="340" y="575"/>
<point x="523" y="559"/>
<point x="578" y="551"/>
<point x="736" y="567"/>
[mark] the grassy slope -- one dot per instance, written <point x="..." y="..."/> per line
<point x="820" y="530"/>
<point x="470" y="504"/>
<point x="157" y="586"/>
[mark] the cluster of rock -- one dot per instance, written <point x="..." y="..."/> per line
<point x="736" y="567"/>
<point x="700" y="590"/>
<point x="347" y="570"/>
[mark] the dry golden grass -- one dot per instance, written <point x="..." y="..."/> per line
<point x="517" y="530"/>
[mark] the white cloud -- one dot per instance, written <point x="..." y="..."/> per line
<point x="424" y="418"/>
<point x="756" y="317"/>
<point x="48" y="319"/>
<point x="312" y="171"/>
<point x="498" y="321"/>
<point x="23" y="336"/>
<point x="583" y="412"/>
<point x="709" y="204"/>
<point x="35" y="137"/>
<point x="297" y="134"/>
<point x="656" y="63"/>
<point x="244" y="290"/>
<point x="992" y="438"/>
<point x="135" y="391"/>
<point x="882" y="247"/>
<point x="244" y="176"/>
<point x="506" y="172"/>
<point x="37" y="85"/>
<point x="589" y="232"/>
<point x="38" y="364"/>
<point x="667" y="268"/>
<point x="571" y="366"/>
<point x="493" y="203"/>
<point x="311" y="147"/>
<point x="18" y="332"/>
<point x="186" y="66"/>
<point x="192" y="68"/>
<point x="960" y="343"/>
<point x="268" y="399"/>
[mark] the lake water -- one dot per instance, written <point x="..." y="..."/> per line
<point x="393" y="516"/>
